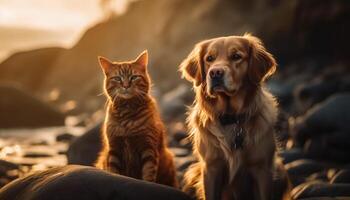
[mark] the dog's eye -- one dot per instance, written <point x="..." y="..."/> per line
<point x="235" y="57"/>
<point x="210" y="58"/>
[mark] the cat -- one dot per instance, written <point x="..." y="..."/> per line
<point x="134" y="137"/>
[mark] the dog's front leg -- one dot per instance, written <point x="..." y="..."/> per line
<point x="263" y="179"/>
<point x="213" y="180"/>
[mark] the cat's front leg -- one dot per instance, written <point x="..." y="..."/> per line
<point x="113" y="163"/>
<point x="150" y="161"/>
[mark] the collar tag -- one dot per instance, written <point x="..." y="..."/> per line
<point x="238" y="137"/>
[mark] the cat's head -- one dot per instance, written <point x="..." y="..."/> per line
<point x="126" y="80"/>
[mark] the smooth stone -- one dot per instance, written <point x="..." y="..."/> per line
<point x="22" y="110"/>
<point x="180" y="152"/>
<point x="64" y="137"/>
<point x="320" y="189"/>
<point x="303" y="167"/>
<point x="342" y="176"/>
<point x="84" y="150"/>
<point x="329" y="116"/>
<point x="291" y="155"/>
<point x="85" y="183"/>
<point x="36" y="155"/>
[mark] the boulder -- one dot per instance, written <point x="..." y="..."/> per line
<point x="329" y="116"/>
<point x="28" y="69"/>
<point x="325" y="198"/>
<point x="84" y="150"/>
<point x="22" y="110"/>
<point x="173" y="103"/>
<point x="291" y="155"/>
<point x="85" y="183"/>
<point x="299" y="170"/>
<point x="304" y="167"/>
<point x="64" y="137"/>
<point x="320" y="189"/>
<point x="8" y="172"/>
<point x="331" y="147"/>
<point x="342" y="176"/>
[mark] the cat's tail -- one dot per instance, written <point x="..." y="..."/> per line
<point x="193" y="181"/>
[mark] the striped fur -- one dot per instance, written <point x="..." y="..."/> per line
<point x="134" y="135"/>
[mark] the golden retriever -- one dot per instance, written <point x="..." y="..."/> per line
<point x="232" y="119"/>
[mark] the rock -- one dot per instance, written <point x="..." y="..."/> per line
<point x="312" y="17"/>
<point x="39" y="143"/>
<point x="5" y="165"/>
<point x="20" y="110"/>
<point x="281" y="184"/>
<point x="291" y="155"/>
<point x="85" y="183"/>
<point x="309" y="94"/>
<point x="8" y="172"/>
<point x="179" y="135"/>
<point x="325" y="198"/>
<point x="319" y="189"/>
<point x="64" y="137"/>
<point x="36" y="155"/>
<point x="84" y="149"/>
<point x="180" y="152"/>
<point x="173" y="103"/>
<point x="331" y="172"/>
<point x="184" y="162"/>
<point x="331" y="147"/>
<point x="35" y="63"/>
<point x="186" y="143"/>
<point x="283" y="89"/>
<point x="304" y="167"/>
<point x="300" y="169"/>
<point x="318" y="176"/>
<point x="343" y="176"/>
<point x="329" y="116"/>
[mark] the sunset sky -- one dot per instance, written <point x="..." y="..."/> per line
<point x="28" y="24"/>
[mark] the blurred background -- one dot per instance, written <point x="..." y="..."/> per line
<point x="51" y="101"/>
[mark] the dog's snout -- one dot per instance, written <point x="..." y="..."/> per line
<point x="216" y="73"/>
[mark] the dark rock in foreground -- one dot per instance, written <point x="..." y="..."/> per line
<point x="8" y="172"/>
<point x="320" y="189"/>
<point x="84" y="149"/>
<point x="19" y="109"/>
<point x="329" y="116"/>
<point x="85" y="183"/>
<point x="343" y="176"/>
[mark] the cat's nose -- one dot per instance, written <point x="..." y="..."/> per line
<point x="126" y="85"/>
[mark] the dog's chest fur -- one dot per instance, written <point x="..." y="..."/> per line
<point x="225" y="135"/>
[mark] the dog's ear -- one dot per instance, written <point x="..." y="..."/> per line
<point x="191" y="67"/>
<point x="261" y="63"/>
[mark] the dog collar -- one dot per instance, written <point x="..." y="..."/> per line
<point x="227" y="119"/>
<point x="238" y="131"/>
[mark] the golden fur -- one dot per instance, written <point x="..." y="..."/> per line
<point x="242" y="64"/>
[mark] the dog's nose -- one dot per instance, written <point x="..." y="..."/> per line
<point x="216" y="73"/>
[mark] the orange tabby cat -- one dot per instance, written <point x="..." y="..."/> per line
<point x="134" y="135"/>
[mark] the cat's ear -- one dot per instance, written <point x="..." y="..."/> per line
<point x="105" y="64"/>
<point x="142" y="60"/>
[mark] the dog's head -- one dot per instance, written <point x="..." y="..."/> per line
<point x="224" y="65"/>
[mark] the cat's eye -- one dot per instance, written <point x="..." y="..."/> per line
<point x="117" y="79"/>
<point x="210" y="58"/>
<point x="235" y="57"/>
<point x="134" y="77"/>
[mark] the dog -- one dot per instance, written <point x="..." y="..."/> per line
<point x="232" y="119"/>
